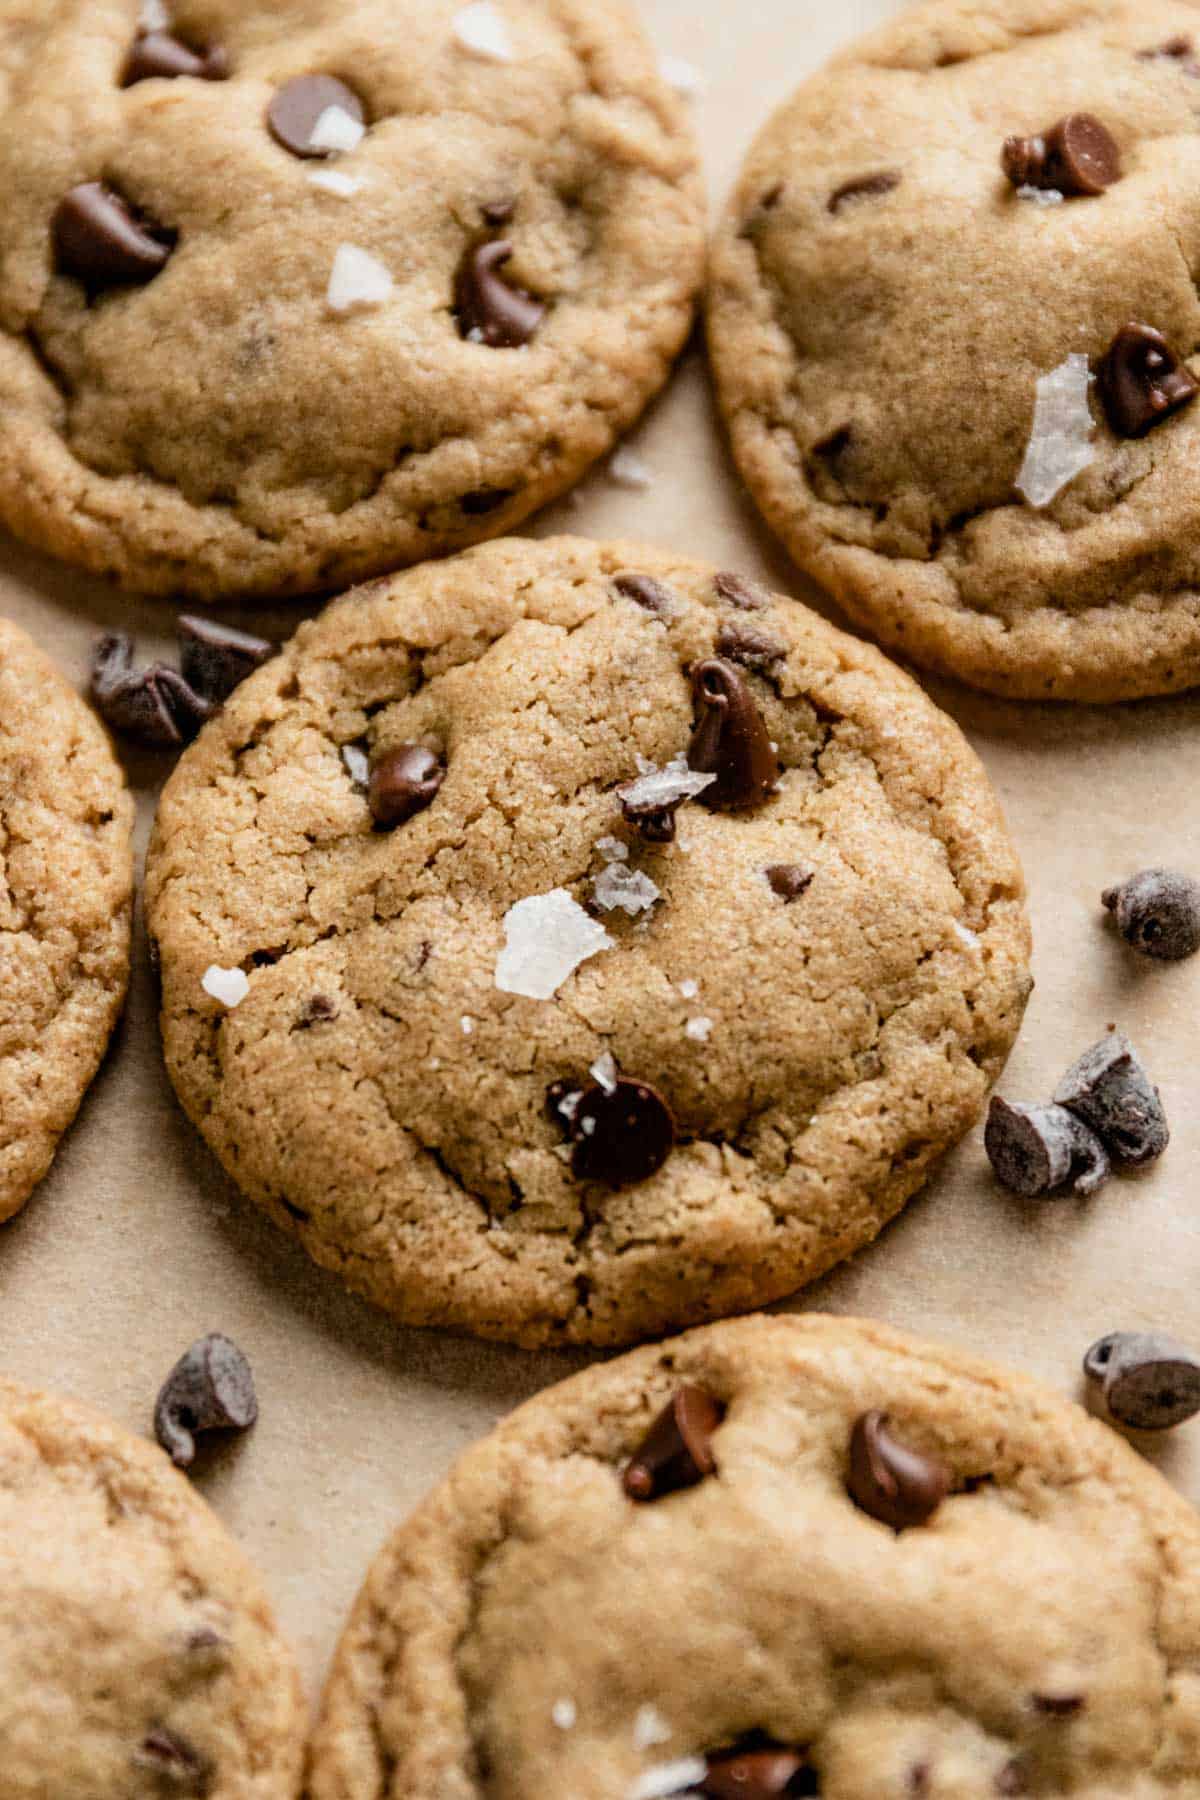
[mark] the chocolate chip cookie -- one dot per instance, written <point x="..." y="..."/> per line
<point x="138" y="1655"/>
<point x="65" y="906"/>
<point x="786" y="1556"/>
<point x="568" y="941"/>
<point x="954" y="320"/>
<point x="293" y="291"/>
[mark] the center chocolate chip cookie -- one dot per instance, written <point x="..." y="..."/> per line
<point x="295" y="291"/>
<point x="553" y="973"/>
<point x="954" y="320"/>
<point x="779" y="1558"/>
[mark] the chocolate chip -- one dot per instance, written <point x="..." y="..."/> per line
<point x="211" y="1388"/>
<point x="176" y="1762"/>
<point x="730" y="740"/>
<point x="161" y="55"/>
<point x="1078" y="157"/>
<point x="757" y="1775"/>
<point x="318" y="1010"/>
<point x="898" y="1486"/>
<point x="404" y="781"/>
<point x="1158" y="912"/>
<point x="654" y="824"/>
<point x="482" y="501"/>
<point x="1151" y="1382"/>
<point x="1142" y="382"/>
<point x="865" y="187"/>
<point x="623" y="1136"/>
<point x="297" y="106"/>
<point x="789" y="880"/>
<point x="101" y="241"/>
<point x="1057" y="1706"/>
<point x="215" y="659"/>
<point x="490" y="309"/>
<point x="1035" y="1150"/>
<point x="498" y="212"/>
<point x="752" y="649"/>
<point x="1109" y="1089"/>
<point x="153" y="706"/>
<point x="740" y="592"/>
<point x="677" y="1451"/>
<point x="647" y="593"/>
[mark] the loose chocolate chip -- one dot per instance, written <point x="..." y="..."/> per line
<point x="757" y="1775"/>
<point x="789" y="880"/>
<point x="865" y="187"/>
<point x="297" y="106"/>
<point x="153" y="706"/>
<point x="101" y="241"/>
<point x="740" y="592"/>
<point x="677" y="1451"/>
<point x="730" y="740"/>
<point x="752" y="649"/>
<point x="1142" y="382"/>
<point x="176" y="1762"/>
<point x="1109" y="1089"/>
<point x="215" y="659"/>
<point x="161" y="55"/>
<point x="498" y="212"/>
<point x="898" y="1486"/>
<point x="404" y="781"/>
<point x="1158" y="912"/>
<point x="622" y="1135"/>
<point x="1077" y="157"/>
<point x="647" y="593"/>
<point x="495" y="311"/>
<point x="1150" y="1381"/>
<point x="482" y="501"/>
<point x="1057" y="1706"/>
<point x="1035" y="1150"/>
<point x="211" y="1388"/>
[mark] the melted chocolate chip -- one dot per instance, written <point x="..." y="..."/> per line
<point x="482" y="501"/>
<point x="215" y="659"/>
<point x="1110" y="1090"/>
<point x="647" y="593"/>
<point x="1036" y="1150"/>
<point x="177" y="1763"/>
<point x="789" y="880"/>
<point x="742" y="593"/>
<point x="101" y="241"/>
<point x="865" y="187"/>
<point x="153" y="706"/>
<point x="730" y="740"/>
<point x="1142" y="381"/>
<point x="1158" y="912"/>
<point x="404" y="781"/>
<point x="489" y="308"/>
<point x="769" y="1774"/>
<point x="752" y="649"/>
<point x="898" y="1486"/>
<point x="1078" y="157"/>
<point x="1150" y="1381"/>
<point x="297" y="106"/>
<point x="160" y="55"/>
<point x="677" y="1450"/>
<point x="622" y="1137"/>
<point x="211" y="1388"/>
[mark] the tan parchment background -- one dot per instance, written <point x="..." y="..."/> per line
<point x="137" y="1244"/>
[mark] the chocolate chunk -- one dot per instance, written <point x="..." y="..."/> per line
<point x="677" y="1450"/>
<point x="215" y="658"/>
<point x="1109" y="1089"/>
<point x="1158" y="912"/>
<point x="622" y="1137"/>
<point x="153" y="706"/>
<point x="101" y="241"/>
<point x="647" y="593"/>
<point x="789" y="880"/>
<point x="211" y="1388"/>
<point x="898" y="1486"/>
<point x="297" y="106"/>
<point x="161" y="55"/>
<point x="482" y="501"/>
<point x="730" y="740"/>
<point x="1151" y="1382"/>
<point x="864" y="187"/>
<point x="490" y="309"/>
<point x="1142" y="381"/>
<point x="742" y="593"/>
<point x="1035" y="1150"/>
<point x="178" y="1764"/>
<point x="404" y="781"/>
<point x="757" y="1775"/>
<point x="1078" y="157"/>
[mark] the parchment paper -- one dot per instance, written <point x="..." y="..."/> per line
<point x="137" y="1243"/>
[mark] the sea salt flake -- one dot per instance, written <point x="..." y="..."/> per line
<point x="332" y="181"/>
<point x="547" y="937"/>
<point x="564" y="1714"/>
<point x="612" y="849"/>
<point x="481" y="30"/>
<point x="966" y="935"/>
<point x="604" y="1070"/>
<point x="628" y="470"/>
<point x="683" y="76"/>
<point x="689" y="989"/>
<point x="629" y="889"/>
<point x="650" y="1728"/>
<point x="699" y="1030"/>
<point x="664" y="1780"/>
<point x="357" y="280"/>
<point x="229" y="986"/>
<point x="337" y="129"/>
<point x="357" y="766"/>
<point x="468" y="1025"/>
<point x="588" y="1127"/>
<point x="568" y="1106"/>
<point x="1040" y="196"/>
<point x="665" y="786"/>
<point x="1060" y="446"/>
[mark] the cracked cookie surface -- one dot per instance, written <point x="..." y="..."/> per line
<point x="138" y="1654"/>
<point x="216" y="427"/>
<point x="382" y="1097"/>
<point x="883" y="305"/>
<point x="1040" y="1634"/>
<point x="66" y="822"/>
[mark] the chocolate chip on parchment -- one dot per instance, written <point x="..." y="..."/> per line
<point x="767" y="1774"/>
<point x="730" y="739"/>
<point x="1109" y="1089"/>
<point x="1078" y="157"/>
<point x="1150" y="1381"/>
<point x="180" y="1767"/>
<point x="1158" y="912"/>
<point x="404" y="781"/>
<point x="652" y="596"/>
<point x="864" y="187"/>
<point x="153" y="706"/>
<point x="160" y="55"/>
<point x="677" y="1451"/>
<point x="622" y="1134"/>
<point x="1142" y="382"/>
<point x="752" y="649"/>
<point x="211" y="1388"/>
<point x="1036" y="1150"/>
<point x="490" y="309"/>
<point x="742" y="593"/>
<point x="216" y="658"/>
<point x="101" y="241"/>
<point x="895" y="1484"/>
<point x="297" y="106"/>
